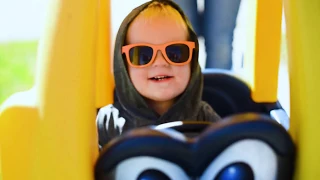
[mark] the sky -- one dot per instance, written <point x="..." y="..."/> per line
<point x="24" y="19"/>
<point x="21" y="19"/>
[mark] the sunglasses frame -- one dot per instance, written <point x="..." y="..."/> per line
<point x="155" y="49"/>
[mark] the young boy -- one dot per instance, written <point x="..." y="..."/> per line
<point x="157" y="75"/>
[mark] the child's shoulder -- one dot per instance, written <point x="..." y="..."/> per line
<point x="107" y="109"/>
<point x="110" y="122"/>
<point x="108" y="112"/>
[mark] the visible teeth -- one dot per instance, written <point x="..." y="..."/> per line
<point x="160" y="77"/>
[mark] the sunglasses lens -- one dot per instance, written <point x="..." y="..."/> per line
<point x="140" y="55"/>
<point x="178" y="53"/>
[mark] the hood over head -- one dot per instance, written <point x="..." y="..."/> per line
<point x="187" y="105"/>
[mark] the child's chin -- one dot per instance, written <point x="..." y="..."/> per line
<point x="161" y="97"/>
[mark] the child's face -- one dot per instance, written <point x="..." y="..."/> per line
<point x="147" y="80"/>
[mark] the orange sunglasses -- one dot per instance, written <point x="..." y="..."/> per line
<point x="143" y="54"/>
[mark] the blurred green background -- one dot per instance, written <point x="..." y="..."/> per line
<point x="17" y="66"/>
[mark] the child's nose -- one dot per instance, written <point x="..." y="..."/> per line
<point x="160" y="60"/>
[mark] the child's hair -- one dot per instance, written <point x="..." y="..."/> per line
<point x="160" y="9"/>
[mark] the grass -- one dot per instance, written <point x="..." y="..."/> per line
<point x="17" y="65"/>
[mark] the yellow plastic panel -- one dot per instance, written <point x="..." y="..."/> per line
<point x="104" y="76"/>
<point x="66" y="83"/>
<point x="0" y="165"/>
<point x="49" y="132"/>
<point x="303" y="26"/>
<point x="263" y="48"/>
<point x="18" y="121"/>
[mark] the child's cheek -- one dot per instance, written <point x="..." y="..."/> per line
<point x="138" y="76"/>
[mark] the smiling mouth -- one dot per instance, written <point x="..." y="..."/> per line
<point x="160" y="78"/>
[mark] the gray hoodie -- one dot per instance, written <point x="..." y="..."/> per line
<point x="130" y="110"/>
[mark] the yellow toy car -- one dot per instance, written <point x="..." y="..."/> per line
<point x="49" y="132"/>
